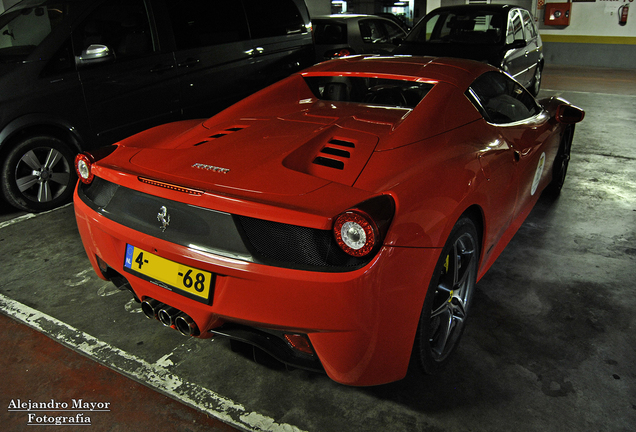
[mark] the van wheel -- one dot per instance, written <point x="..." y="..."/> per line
<point x="38" y="175"/>
<point x="448" y="298"/>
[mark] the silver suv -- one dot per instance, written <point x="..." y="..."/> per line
<point x="502" y="35"/>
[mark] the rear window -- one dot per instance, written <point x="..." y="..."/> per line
<point x="25" y="26"/>
<point x="372" y="91"/>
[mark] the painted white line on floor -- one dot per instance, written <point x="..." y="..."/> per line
<point x="153" y="375"/>
<point x="560" y="92"/>
<point x="16" y="220"/>
<point x="29" y="216"/>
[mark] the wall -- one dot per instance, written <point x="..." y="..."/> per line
<point x="594" y="36"/>
<point x="318" y="7"/>
<point x="6" y="4"/>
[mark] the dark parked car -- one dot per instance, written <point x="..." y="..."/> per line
<point x="344" y="35"/>
<point x="502" y="35"/>
<point x="75" y="75"/>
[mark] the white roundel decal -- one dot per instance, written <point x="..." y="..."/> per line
<point x="537" y="174"/>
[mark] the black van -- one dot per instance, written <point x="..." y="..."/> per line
<point x="78" y="74"/>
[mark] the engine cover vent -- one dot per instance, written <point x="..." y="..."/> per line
<point x="221" y="134"/>
<point x="334" y="154"/>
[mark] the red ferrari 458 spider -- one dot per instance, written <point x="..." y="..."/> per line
<point x="337" y="220"/>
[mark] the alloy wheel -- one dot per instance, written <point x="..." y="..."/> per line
<point x="42" y="174"/>
<point x="452" y="296"/>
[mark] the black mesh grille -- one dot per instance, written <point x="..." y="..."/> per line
<point x="100" y="192"/>
<point x="296" y="246"/>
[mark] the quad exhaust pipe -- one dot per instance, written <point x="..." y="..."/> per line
<point x="170" y="316"/>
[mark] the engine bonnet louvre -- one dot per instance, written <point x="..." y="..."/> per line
<point x="221" y="134"/>
<point x="334" y="154"/>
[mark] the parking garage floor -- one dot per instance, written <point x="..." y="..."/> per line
<point x="550" y="345"/>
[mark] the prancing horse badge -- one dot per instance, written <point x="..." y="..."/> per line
<point x="164" y="218"/>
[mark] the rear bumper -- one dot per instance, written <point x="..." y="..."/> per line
<point x="361" y="323"/>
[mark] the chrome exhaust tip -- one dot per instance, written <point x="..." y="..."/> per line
<point x="151" y="307"/>
<point x="167" y="315"/>
<point x="186" y="325"/>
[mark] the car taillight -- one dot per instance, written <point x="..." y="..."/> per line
<point x="355" y="233"/>
<point x="341" y="52"/>
<point x="360" y="230"/>
<point x="83" y="163"/>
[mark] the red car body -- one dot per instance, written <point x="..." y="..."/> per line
<point x="242" y="196"/>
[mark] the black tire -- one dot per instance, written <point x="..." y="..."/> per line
<point x="561" y="162"/>
<point x="38" y="174"/>
<point x="536" y="81"/>
<point x="448" y="299"/>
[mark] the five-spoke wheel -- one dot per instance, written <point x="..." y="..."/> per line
<point x="38" y="174"/>
<point x="449" y="297"/>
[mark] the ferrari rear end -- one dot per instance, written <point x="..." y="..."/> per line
<point x="248" y="244"/>
<point x="285" y="288"/>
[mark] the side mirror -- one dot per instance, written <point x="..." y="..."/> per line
<point x="95" y="53"/>
<point x="569" y="114"/>
<point x="518" y="43"/>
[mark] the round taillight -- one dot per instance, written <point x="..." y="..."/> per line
<point x="83" y="164"/>
<point x="343" y="53"/>
<point x="355" y="233"/>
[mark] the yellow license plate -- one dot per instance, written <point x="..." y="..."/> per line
<point x="168" y="274"/>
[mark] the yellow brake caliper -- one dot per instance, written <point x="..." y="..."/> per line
<point x="446" y="265"/>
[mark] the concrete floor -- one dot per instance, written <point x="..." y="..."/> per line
<point x="550" y="345"/>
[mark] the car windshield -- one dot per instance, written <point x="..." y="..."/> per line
<point x="366" y="90"/>
<point x="24" y="26"/>
<point x="473" y="27"/>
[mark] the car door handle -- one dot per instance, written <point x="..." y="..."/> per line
<point x="161" y="68"/>
<point x="255" y="51"/>
<point x="189" y="62"/>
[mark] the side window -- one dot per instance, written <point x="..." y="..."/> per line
<point x="528" y="25"/>
<point x="268" y="18"/>
<point x="501" y="100"/>
<point x="122" y="25"/>
<point x="515" y="28"/>
<point x="199" y="23"/>
<point x="372" y="31"/>
<point x="330" y="34"/>
<point x="433" y="29"/>
<point x="392" y="31"/>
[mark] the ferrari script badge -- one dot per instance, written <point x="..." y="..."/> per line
<point x="164" y="218"/>
<point x="211" y="168"/>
